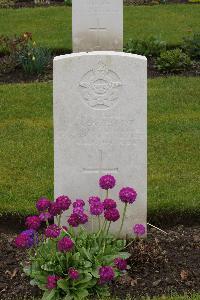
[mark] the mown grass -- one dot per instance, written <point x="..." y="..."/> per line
<point x="26" y="148"/>
<point x="51" y="27"/>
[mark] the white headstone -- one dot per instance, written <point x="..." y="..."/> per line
<point x="97" y="25"/>
<point x="100" y="127"/>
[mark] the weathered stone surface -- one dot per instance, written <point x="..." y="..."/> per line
<point x="100" y="127"/>
<point x="97" y="25"/>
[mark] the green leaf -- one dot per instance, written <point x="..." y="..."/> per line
<point x="33" y="282"/>
<point x="86" y="278"/>
<point x="63" y="284"/>
<point x="49" y="295"/>
<point x="87" y="264"/>
<point x="95" y="273"/>
<point x="86" y="253"/>
<point x="27" y="270"/>
<point x="82" y="294"/>
<point x="68" y="297"/>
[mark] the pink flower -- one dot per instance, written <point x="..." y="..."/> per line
<point x="139" y="229"/>
<point x="33" y="222"/>
<point x="127" y="195"/>
<point x="106" y="274"/>
<point x="63" y="202"/>
<point x="107" y="182"/>
<point x="83" y="218"/>
<point x="73" y="273"/>
<point x="96" y="208"/>
<point x="43" y="204"/>
<point x="52" y="281"/>
<point x="79" y="203"/>
<point x="73" y="220"/>
<point x="52" y="231"/>
<point x="120" y="263"/>
<point x="109" y="203"/>
<point x="78" y="210"/>
<point x="45" y="216"/>
<point x="77" y="218"/>
<point x="65" y="244"/>
<point x="94" y="199"/>
<point x="112" y="215"/>
<point x="55" y="209"/>
<point x="26" y="239"/>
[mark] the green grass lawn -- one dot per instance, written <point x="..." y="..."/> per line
<point x="26" y="148"/>
<point x="51" y="27"/>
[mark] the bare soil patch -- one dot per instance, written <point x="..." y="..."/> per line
<point x="160" y="265"/>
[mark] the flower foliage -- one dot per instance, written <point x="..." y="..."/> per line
<point x="74" y="263"/>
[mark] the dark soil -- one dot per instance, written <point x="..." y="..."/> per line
<point x="18" y="76"/>
<point x="162" y="264"/>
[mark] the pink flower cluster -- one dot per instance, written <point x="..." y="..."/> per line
<point x="52" y="282"/>
<point x="65" y="244"/>
<point x="63" y="238"/>
<point x="26" y="239"/>
<point x="52" y="231"/>
<point x="106" y="274"/>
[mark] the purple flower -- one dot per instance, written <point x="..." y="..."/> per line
<point x="77" y="218"/>
<point x="78" y="210"/>
<point x="112" y="215"/>
<point x="73" y="220"/>
<point x="43" y="204"/>
<point x="83" y="218"/>
<point x="109" y="203"/>
<point x="52" y="231"/>
<point x="96" y="208"/>
<point x="33" y="222"/>
<point x="52" y="281"/>
<point x="45" y="216"/>
<point x="25" y="239"/>
<point x="120" y="263"/>
<point x="94" y="199"/>
<point x="107" y="182"/>
<point x="127" y="195"/>
<point x="55" y="209"/>
<point x="106" y="274"/>
<point x="65" y="244"/>
<point x="73" y="273"/>
<point x="63" y="202"/>
<point x="139" y="229"/>
<point x="79" y="203"/>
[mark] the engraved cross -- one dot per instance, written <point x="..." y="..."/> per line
<point x="100" y="169"/>
<point x="98" y="29"/>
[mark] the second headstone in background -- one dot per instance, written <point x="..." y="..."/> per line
<point x="97" y="25"/>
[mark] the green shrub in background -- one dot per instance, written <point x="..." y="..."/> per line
<point x="191" y="45"/>
<point x="34" y="60"/>
<point x="173" y="60"/>
<point x="152" y="46"/>
<point x="68" y="2"/>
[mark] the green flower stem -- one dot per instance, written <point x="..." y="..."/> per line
<point x="92" y="224"/>
<point x="106" y="194"/>
<point x="99" y="222"/>
<point x="101" y="229"/>
<point x="124" y="213"/>
<point x="59" y="220"/>
<point x="108" y="228"/>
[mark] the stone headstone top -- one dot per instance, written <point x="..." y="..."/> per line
<point x="97" y="25"/>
